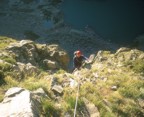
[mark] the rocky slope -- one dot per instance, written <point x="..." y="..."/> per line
<point x="34" y="82"/>
<point x="43" y="21"/>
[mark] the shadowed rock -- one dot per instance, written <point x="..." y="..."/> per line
<point x="19" y="102"/>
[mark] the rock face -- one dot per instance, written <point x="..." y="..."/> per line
<point x="25" y="69"/>
<point x="102" y="85"/>
<point x="50" y="56"/>
<point x="34" y="16"/>
<point x="42" y="20"/>
<point x="57" y="88"/>
<point x="91" y="108"/>
<point x="19" y="102"/>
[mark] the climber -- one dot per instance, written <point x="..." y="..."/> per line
<point x="78" y="59"/>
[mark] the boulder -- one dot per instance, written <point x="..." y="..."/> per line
<point x="40" y="92"/>
<point x="73" y="83"/>
<point x="30" y="69"/>
<point x="18" y="102"/>
<point x="26" y="69"/>
<point x="91" y="108"/>
<point x="50" y="64"/>
<point x="100" y="56"/>
<point x="67" y="115"/>
<point x="114" y="88"/>
<point x="141" y="56"/>
<point x="57" y="88"/>
<point x="58" y="54"/>
<point x="125" y="55"/>
<point x="141" y="102"/>
<point x="27" y="51"/>
<point x="122" y="49"/>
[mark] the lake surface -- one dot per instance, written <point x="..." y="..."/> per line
<point x="120" y="21"/>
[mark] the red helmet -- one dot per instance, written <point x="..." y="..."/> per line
<point x="79" y="52"/>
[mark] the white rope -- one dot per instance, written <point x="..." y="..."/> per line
<point x="77" y="96"/>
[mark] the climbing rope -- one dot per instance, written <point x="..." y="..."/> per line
<point x="92" y="58"/>
<point x="77" y="96"/>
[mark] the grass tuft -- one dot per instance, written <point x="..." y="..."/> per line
<point x="5" y="41"/>
<point x="49" y="109"/>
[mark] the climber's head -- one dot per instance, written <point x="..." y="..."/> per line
<point x="78" y="53"/>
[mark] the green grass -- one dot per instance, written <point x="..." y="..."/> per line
<point x="29" y="83"/>
<point x="8" y="59"/>
<point x="5" y="67"/>
<point x="131" y="89"/>
<point x="69" y="105"/>
<point x="127" y="109"/>
<point x="71" y="102"/>
<point x="123" y="101"/>
<point x="5" y="41"/>
<point x="137" y="65"/>
<point x="10" y="82"/>
<point x="49" y="109"/>
<point x="32" y="83"/>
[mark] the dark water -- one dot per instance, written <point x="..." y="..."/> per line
<point x="120" y="21"/>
